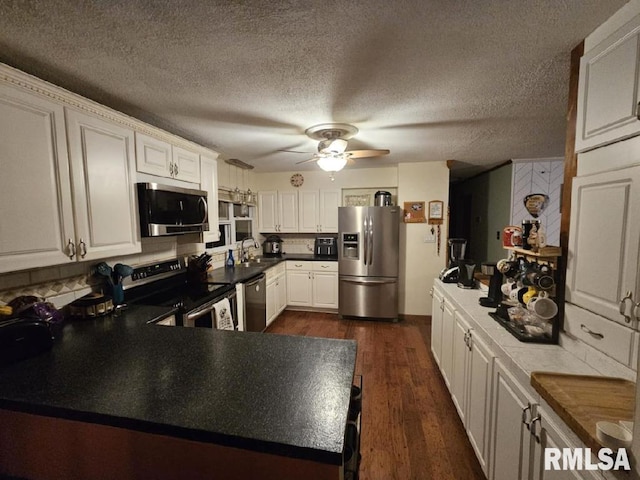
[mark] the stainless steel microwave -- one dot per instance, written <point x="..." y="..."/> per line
<point x="166" y="210"/>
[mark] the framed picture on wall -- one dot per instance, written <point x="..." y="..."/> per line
<point x="414" y="212"/>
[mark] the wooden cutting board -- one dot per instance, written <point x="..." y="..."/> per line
<point x="583" y="400"/>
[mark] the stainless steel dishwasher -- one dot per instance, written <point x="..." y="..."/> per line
<point x="255" y="304"/>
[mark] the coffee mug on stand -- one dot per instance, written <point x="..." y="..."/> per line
<point x="532" y="292"/>
<point x="507" y="287"/>
<point x="543" y="306"/>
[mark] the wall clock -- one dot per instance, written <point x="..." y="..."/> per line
<point x="297" y="179"/>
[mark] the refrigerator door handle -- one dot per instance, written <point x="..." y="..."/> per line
<point x="368" y="282"/>
<point x="370" y="241"/>
<point x="365" y="239"/>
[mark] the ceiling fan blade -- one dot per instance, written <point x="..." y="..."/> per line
<point x="294" y="151"/>
<point x="368" y="153"/>
<point x="313" y="159"/>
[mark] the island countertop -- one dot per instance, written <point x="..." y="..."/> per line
<point x="278" y="394"/>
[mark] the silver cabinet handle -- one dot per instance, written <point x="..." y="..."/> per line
<point x="584" y="328"/>
<point x="175" y="169"/>
<point x="171" y="169"/>
<point x="623" y="306"/>
<point x="83" y="248"/>
<point x="431" y="292"/>
<point x="636" y="311"/>
<point x="524" y="416"/>
<point x="533" y="427"/>
<point x="324" y="266"/>
<point x="71" y="248"/>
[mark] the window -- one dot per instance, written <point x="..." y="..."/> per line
<point x="236" y="224"/>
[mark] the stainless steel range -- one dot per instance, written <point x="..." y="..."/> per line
<point x="165" y="284"/>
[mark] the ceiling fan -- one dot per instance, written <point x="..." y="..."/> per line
<point x="333" y="139"/>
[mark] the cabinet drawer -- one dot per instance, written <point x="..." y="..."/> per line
<point x="607" y="336"/>
<point x="299" y="265"/>
<point x="325" y="266"/>
<point x="274" y="272"/>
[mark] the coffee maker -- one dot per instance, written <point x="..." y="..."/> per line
<point x="457" y="247"/>
<point x="466" y="270"/>
<point x="495" y="293"/>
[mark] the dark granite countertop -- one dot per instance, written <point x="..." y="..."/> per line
<point x="242" y="273"/>
<point x="279" y="394"/>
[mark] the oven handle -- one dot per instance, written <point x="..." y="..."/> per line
<point x="208" y="307"/>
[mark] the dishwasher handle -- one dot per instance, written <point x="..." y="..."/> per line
<point x="259" y="278"/>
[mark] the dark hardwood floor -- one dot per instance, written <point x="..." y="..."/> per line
<point x="410" y="428"/>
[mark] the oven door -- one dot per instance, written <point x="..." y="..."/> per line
<point x="205" y="315"/>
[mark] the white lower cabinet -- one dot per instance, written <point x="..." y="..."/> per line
<point x="510" y="437"/>
<point x="436" y="324"/>
<point x="446" y="360"/>
<point x="312" y="284"/>
<point x="276" y="291"/>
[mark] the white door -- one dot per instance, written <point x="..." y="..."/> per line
<point x="153" y="156"/>
<point x="308" y="211"/>
<point x="479" y="398"/>
<point x="510" y="439"/>
<point x="103" y="169"/>
<point x="460" y="360"/>
<point x="446" y="359"/>
<point x="299" y="288"/>
<point x="608" y="92"/>
<point x="35" y="190"/>
<point x="186" y="165"/>
<point x="288" y="211"/>
<point x="325" y="289"/>
<point x="268" y="211"/>
<point x="209" y="183"/>
<point x="329" y="203"/>
<point x="436" y="326"/>
<point x="604" y="241"/>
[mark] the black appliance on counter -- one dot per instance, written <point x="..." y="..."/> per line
<point x="495" y="293"/>
<point x="166" y="284"/>
<point x="326" y="247"/>
<point x="457" y="248"/>
<point x="272" y="246"/>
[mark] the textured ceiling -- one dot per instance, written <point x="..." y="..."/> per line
<point x="476" y="81"/>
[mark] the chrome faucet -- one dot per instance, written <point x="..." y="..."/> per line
<point x="244" y="254"/>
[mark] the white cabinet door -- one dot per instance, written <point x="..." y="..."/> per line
<point x="268" y="211"/>
<point x="602" y="264"/>
<point x="510" y="439"/>
<point x="209" y="183"/>
<point x="436" y="325"/>
<point x="308" y="211"/>
<point x="224" y="178"/>
<point x="103" y="180"/>
<point x="459" y="367"/>
<point x="479" y="398"/>
<point x="186" y="165"/>
<point x="329" y="203"/>
<point x="153" y="156"/>
<point x="446" y="359"/>
<point x="325" y="289"/>
<point x="281" y="293"/>
<point x="271" y="294"/>
<point x="35" y="189"/>
<point x="608" y="91"/>
<point x="288" y="211"/>
<point x="299" y="288"/>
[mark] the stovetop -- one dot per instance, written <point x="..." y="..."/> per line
<point x="165" y="284"/>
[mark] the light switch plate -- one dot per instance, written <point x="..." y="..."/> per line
<point x="430" y="237"/>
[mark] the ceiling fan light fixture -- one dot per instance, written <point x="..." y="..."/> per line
<point x="332" y="145"/>
<point x="332" y="163"/>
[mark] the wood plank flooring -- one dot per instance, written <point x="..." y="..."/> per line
<point x="410" y="428"/>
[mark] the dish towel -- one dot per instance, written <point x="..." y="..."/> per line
<point x="224" y="319"/>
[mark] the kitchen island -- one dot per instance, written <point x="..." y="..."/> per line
<point x="119" y="398"/>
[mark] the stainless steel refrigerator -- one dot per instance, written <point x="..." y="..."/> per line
<point x="368" y="261"/>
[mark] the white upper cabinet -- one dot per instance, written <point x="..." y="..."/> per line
<point x="278" y="211"/>
<point x="308" y="211"/>
<point x="209" y="183"/>
<point x="608" y="93"/>
<point x="329" y="203"/>
<point x="35" y="190"/>
<point x="103" y="184"/>
<point x="161" y="158"/>
<point x="602" y="264"/>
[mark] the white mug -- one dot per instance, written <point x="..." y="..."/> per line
<point x="507" y="287"/>
<point x="543" y="306"/>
